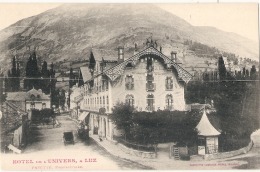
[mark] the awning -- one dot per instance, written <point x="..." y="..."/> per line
<point x="83" y="116"/>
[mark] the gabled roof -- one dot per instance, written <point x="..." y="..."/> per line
<point x="39" y="95"/>
<point x="86" y="75"/>
<point x="22" y="96"/>
<point x="205" y="128"/>
<point x="107" y="55"/>
<point x="118" y="69"/>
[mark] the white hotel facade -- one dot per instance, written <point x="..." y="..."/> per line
<point x="148" y="80"/>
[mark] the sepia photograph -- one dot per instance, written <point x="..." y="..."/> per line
<point x="129" y="86"/>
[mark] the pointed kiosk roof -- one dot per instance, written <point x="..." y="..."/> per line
<point x="205" y="128"/>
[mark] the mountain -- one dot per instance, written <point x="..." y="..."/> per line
<point x="69" y="31"/>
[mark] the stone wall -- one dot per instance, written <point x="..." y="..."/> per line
<point x="229" y="154"/>
<point x="143" y="154"/>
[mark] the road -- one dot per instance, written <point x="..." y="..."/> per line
<point x="251" y="159"/>
<point x="47" y="143"/>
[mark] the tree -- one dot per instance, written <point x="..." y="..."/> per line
<point x="71" y="78"/>
<point x="45" y="78"/>
<point x="244" y="72"/>
<point x="80" y="79"/>
<point x="253" y="73"/>
<point x="92" y="61"/>
<point x="28" y="74"/>
<point x="62" y="98"/>
<point x="13" y="78"/>
<point x="32" y="73"/>
<point x="18" y="74"/>
<point x="122" y="116"/>
<point x="221" y="69"/>
<point x="13" y="75"/>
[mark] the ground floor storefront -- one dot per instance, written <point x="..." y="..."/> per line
<point x="101" y="125"/>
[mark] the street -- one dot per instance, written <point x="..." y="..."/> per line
<point x="49" y="152"/>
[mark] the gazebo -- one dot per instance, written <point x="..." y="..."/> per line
<point x="207" y="136"/>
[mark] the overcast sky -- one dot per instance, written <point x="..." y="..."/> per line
<point x="238" y="18"/>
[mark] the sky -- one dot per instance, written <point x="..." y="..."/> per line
<point x="238" y="18"/>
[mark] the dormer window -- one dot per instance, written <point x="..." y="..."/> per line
<point x="129" y="65"/>
<point x="129" y="82"/>
<point x="32" y="97"/>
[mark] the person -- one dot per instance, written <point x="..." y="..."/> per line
<point x="100" y="136"/>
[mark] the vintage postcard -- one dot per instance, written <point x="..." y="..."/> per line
<point x="129" y="86"/>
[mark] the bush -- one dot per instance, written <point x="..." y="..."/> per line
<point x="154" y="127"/>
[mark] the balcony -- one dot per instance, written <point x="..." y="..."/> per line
<point x="129" y="86"/>
<point x="150" y="86"/>
<point x="149" y="77"/>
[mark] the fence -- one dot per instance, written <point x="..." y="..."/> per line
<point x="138" y="150"/>
<point x="229" y="154"/>
<point x="148" y="148"/>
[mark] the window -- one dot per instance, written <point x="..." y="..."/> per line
<point x="129" y="82"/>
<point x="104" y="100"/>
<point x="169" y="102"/>
<point x="150" y="86"/>
<point x="169" y="83"/>
<point x="32" y="105"/>
<point x="43" y="105"/>
<point x="149" y="66"/>
<point x="129" y="100"/>
<point x="149" y="77"/>
<point x="33" y="97"/>
<point x="100" y="98"/>
<point x="150" y="102"/>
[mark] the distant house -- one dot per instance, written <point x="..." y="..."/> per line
<point x="76" y="97"/>
<point x="33" y="99"/>
<point x="36" y="99"/>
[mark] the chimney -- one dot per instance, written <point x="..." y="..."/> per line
<point x="174" y="56"/>
<point x="120" y="54"/>
<point x="135" y="51"/>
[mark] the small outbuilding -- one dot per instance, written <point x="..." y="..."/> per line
<point x="207" y="136"/>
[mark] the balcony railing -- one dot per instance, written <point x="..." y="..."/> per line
<point x="150" y="86"/>
<point x="149" y="78"/>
